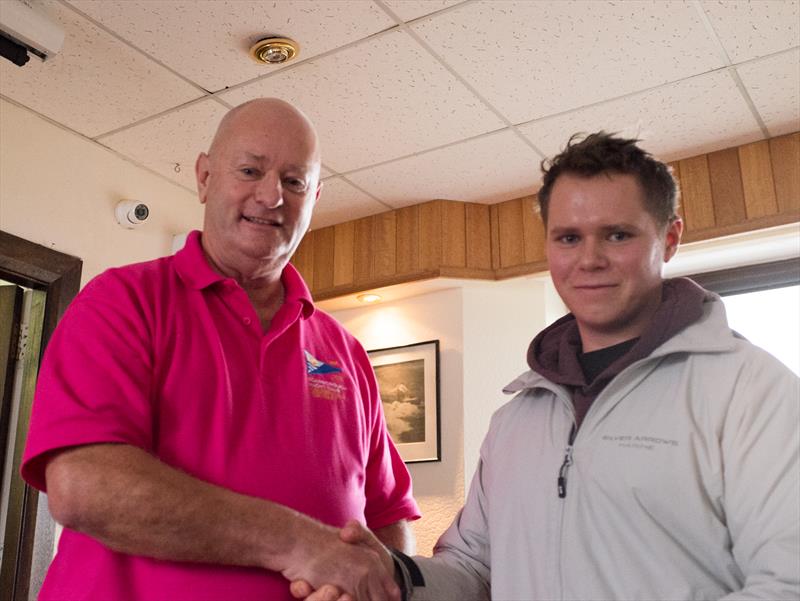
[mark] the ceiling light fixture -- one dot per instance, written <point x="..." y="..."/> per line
<point x="368" y="298"/>
<point x="273" y="51"/>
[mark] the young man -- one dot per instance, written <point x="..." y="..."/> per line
<point x="200" y="428"/>
<point x="650" y="452"/>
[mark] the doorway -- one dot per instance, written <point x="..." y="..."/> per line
<point x="37" y="285"/>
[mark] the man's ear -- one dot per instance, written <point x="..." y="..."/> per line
<point x="672" y="238"/>
<point x="319" y="190"/>
<point x="201" y="172"/>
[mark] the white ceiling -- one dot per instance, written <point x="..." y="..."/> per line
<point x="421" y="99"/>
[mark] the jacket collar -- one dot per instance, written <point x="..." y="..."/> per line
<point x="709" y="334"/>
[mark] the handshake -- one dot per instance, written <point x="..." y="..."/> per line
<point x="350" y="564"/>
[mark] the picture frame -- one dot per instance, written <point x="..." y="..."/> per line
<point x="408" y="381"/>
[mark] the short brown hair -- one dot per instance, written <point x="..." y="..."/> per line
<point x="601" y="152"/>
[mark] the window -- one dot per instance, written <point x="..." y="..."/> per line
<point x="763" y="305"/>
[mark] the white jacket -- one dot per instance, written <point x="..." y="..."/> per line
<point x="684" y="484"/>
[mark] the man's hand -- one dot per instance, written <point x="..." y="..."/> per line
<point x="349" y="565"/>
<point x="358" y="537"/>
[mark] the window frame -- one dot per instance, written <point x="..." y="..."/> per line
<point x="750" y="278"/>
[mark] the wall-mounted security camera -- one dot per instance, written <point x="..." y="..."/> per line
<point x="131" y="213"/>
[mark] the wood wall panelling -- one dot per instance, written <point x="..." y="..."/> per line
<point x="430" y="235"/>
<point x="324" y="244"/>
<point x="454" y="234"/>
<point x="494" y="224"/>
<point x="726" y="187"/>
<point x="726" y="192"/>
<point x="478" y="236"/>
<point x="698" y="206"/>
<point x="303" y="259"/>
<point x="512" y="239"/>
<point x="362" y="251"/>
<point x="785" y="156"/>
<point x="676" y="173"/>
<point x="533" y="233"/>
<point x="759" y="188"/>
<point x="344" y="235"/>
<point x="408" y="240"/>
<point x="384" y="245"/>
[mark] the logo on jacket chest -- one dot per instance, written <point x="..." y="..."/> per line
<point x="640" y="441"/>
<point x="325" y="378"/>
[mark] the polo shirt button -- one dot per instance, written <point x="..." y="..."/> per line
<point x="246" y="321"/>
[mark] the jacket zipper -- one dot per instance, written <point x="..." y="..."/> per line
<point x="562" y="472"/>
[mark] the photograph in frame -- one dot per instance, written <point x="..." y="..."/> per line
<point x="408" y="381"/>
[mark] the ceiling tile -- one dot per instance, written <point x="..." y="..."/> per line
<point x="408" y="10"/>
<point x="96" y="83"/>
<point x="173" y="139"/>
<point x="666" y="119"/>
<point x="381" y="99"/>
<point x="488" y="169"/>
<point x="751" y="29"/>
<point x="221" y="32"/>
<point x="774" y="87"/>
<point x="532" y="59"/>
<point x="340" y="201"/>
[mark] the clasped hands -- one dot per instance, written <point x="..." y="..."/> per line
<point x="356" y="567"/>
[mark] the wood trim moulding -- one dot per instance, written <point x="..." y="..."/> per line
<point x="338" y="291"/>
<point x="738" y="189"/>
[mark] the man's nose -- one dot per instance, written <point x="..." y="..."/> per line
<point x="592" y="255"/>
<point x="269" y="190"/>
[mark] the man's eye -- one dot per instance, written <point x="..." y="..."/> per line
<point x="296" y="185"/>
<point x="619" y="236"/>
<point x="248" y="171"/>
<point x="568" y="239"/>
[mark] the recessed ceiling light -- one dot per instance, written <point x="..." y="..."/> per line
<point x="273" y="51"/>
<point x="368" y="298"/>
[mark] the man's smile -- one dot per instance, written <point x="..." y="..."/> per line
<point x="261" y="221"/>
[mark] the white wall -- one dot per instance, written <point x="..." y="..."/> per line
<point x="59" y="189"/>
<point x="500" y="320"/>
<point x="483" y="330"/>
<point x="439" y="486"/>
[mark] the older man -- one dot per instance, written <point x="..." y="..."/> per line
<point x="650" y="452"/>
<point x="200" y="428"/>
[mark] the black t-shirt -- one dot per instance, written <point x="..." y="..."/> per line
<point x="594" y="363"/>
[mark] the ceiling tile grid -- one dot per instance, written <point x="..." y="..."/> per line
<point x="408" y="10"/>
<point x="533" y="59"/>
<point x="488" y="169"/>
<point x="381" y="99"/>
<point x="208" y="42"/>
<point x="397" y="123"/>
<point x="751" y="29"/>
<point x="173" y="139"/>
<point x="774" y="86"/>
<point x="682" y="119"/>
<point x="341" y="201"/>
<point x="96" y="83"/>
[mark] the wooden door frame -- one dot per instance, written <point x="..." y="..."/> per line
<point x="59" y="275"/>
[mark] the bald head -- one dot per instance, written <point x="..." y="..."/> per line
<point x="266" y="114"/>
<point x="259" y="182"/>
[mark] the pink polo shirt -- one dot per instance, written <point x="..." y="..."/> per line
<point x="169" y="356"/>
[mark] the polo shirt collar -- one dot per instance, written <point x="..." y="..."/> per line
<point x="295" y="290"/>
<point x="194" y="269"/>
<point x="193" y="266"/>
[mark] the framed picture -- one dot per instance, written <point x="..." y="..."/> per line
<point x="408" y="379"/>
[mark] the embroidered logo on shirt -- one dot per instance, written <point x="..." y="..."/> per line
<point x="325" y="380"/>
<point x="315" y="366"/>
